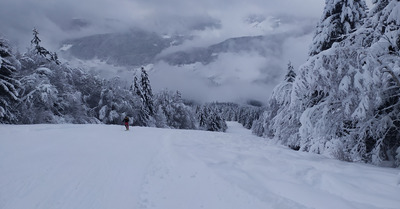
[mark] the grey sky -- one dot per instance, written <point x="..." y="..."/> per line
<point x="52" y="17"/>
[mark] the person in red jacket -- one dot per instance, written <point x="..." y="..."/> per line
<point x="126" y="121"/>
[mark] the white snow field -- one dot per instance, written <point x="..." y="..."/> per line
<point x="104" y="167"/>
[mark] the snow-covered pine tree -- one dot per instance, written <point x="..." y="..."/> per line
<point x="116" y="102"/>
<point x="177" y="114"/>
<point x="379" y="5"/>
<point x="248" y="114"/>
<point x="36" y="40"/>
<point x="290" y="75"/>
<point x="39" y="97"/>
<point x="377" y="19"/>
<point x="279" y="119"/>
<point x="8" y="84"/>
<point x="36" y="44"/>
<point x="210" y="119"/>
<point x="53" y="93"/>
<point x="316" y="99"/>
<point x="142" y="89"/>
<point x="340" y="17"/>
<point x="54" y="58"/>
<point x="160" y="118"/>
<point x="346" y="98"/>
<point x="147" y="91"/>
<point x="41" y="50"/>
<point x="202" y="116"/>
<point x="381" y="133"/>
<point x="137" y="88"/>
<point x="80" y="94"/>
<point x="216" y="122"/>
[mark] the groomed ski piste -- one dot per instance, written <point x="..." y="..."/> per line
<point x="105" y="167"/>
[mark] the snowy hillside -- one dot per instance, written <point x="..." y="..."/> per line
<point x="99" y="166"/>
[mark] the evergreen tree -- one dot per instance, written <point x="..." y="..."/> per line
<point x="147" y="92"/>
<point x="210" y="119"/>
<point x="8" y="84"/>
<point x="52" y="93"/>
<point x="382" y="135"/>
<point x="345" y="101"/>
<point x="379" y="5"/>
<point x="39" y="97"/>
<point x="377" y="18"/>
<point x="143" y="90"/>
<point x="36" y="44"/>
<point x="340" y="18"/>
<point x="54" y="58"/>
<point x="116" y="102"/>
<point x="278" y="120"/>
<point x="41" y="50"/>
<point x="137" y="89"/>
<point x="290" y="75"/>
<point x="176" y="113"/>
<point x="36" y="40"/>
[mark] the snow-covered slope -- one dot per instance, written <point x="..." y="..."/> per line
<point x="100" y="166"/>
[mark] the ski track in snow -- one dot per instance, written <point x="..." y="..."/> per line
<point x="102" y="166"/>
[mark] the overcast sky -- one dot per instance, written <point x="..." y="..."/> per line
<point x="210" y="21"/>
<point x="53" y="17"/>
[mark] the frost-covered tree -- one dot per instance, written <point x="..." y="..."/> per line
<point x="36" y="44"/>
<point x="147" y="91"/>
<point x="39" y="98"/>
<point x="38" y="49"/>
<point x="137" y="88"/>
<point x="376" y="15"/>
<point x="142" y="89"/>
<point x="383" y="58"/>
<point x="171" y="107"/>
<point x="210" y="119"/>
<point x="116" y="102"/>
<point x="216" y="122"/>
<point x="340" y="18"/>
<point x="80" y="94"/>
<point x="8" y="84"/>
<point x="50" y="92"/>
<point x="55" y="93"/>
<point x="290" y="75"/>
<point x="344" y="101"/>
<point x="243" y="113"/>
<point x="278" y="120"/>
<point x="36" y="40"/>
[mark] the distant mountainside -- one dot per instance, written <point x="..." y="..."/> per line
<point x="132" y="48"/>
<point x="137" y="48"/>
<point x="263" y="45"/>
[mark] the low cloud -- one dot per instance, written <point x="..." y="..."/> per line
<point x="54" y="19"/>
<point x="232" y="77"/>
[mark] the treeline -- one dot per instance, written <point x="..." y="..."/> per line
<point x="35" y="87"/>
<point x="244" y="114"/>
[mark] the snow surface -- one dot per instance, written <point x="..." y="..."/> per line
<point x="103" y="166"/>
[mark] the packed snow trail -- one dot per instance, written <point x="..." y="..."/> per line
<point x="104" y="167"/>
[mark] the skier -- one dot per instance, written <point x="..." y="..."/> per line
<point x="126" y="121"/>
